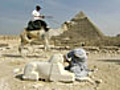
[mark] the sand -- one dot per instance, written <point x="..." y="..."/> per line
<point x="11" y="63"/>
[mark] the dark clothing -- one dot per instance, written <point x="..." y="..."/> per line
<point x="36" y="25"/>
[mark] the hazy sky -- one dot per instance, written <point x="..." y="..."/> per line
<point x="14" y="14"/>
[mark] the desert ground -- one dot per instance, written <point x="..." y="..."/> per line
<point x="107" y="61"/>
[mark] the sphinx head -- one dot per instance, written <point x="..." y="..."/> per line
<point x="57" y="58"/>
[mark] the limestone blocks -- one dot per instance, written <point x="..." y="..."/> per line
<point x="52" y="70"/>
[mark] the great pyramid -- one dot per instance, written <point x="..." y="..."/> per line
<point x="85" y="27"/>
<point x="82" y="31"/>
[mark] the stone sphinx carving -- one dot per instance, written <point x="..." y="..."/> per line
<point x="51" y="70"/>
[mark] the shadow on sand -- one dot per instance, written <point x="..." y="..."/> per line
<point x="21" y="79"/>
<point x="19" y="76"/>
<point x="19" y="56"/>
<point x="116" y="61"/>
<point x="11" y="55"/>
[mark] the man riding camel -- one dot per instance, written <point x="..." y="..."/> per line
<point x="37" y="21"/>
<point x="36" y="30"/>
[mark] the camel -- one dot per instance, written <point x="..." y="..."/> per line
<point x="27" y="37"/>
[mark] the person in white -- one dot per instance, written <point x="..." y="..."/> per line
<point x="37" y="21"/>
<point x="36" y="14"/>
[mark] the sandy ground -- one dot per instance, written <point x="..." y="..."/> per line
<point x="10" y="61"/>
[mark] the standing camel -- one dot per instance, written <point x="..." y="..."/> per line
<point x="27" y="37"/>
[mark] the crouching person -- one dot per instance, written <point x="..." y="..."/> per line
<point x="77" y="60"/>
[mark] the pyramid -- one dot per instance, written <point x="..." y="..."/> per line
<point x="84" y="27"/>
<point x="79" y="16"/>
<point x="82" y="30"/>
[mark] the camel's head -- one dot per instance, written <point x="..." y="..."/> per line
<point x="66" y="25"/>
<point x="57" y="58"/>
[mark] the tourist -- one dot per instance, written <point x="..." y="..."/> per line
<point x="37" y="21"/>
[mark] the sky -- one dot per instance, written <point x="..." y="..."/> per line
<point x="15" y="14"/>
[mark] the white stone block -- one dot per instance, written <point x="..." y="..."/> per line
<point x="59" y="74"/>
<point x="52" y="70"/>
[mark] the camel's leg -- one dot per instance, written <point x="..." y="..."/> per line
<point x="45" y="36"/>
<point x="47" y="46"/>
<point x="24" y="41"/>
<point x="24" y="38"/>
<point x="21" y="46"/>
<point x="46" y="39"/>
